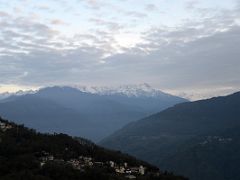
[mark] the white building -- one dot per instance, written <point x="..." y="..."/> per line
<point x="112" y="164"/>
<point x="141" y="170"/>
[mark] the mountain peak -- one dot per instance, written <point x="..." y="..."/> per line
<point x="131" y="90"/>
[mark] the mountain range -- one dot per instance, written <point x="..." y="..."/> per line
<point x="93" y="113"/>
<point x="199" y="140"/>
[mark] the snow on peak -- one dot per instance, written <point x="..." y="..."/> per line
<point x="18" y="93"/>
<point x="128" y="90"/>
<point x="131" y="90"/>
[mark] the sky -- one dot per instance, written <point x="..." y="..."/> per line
<point x="189" y="48"/>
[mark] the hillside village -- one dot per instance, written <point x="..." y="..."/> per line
<point x="87" y="162"/>
<point x="83" y="162"/>
<point x="216" y="139"/>
<point x="4" y="126"/>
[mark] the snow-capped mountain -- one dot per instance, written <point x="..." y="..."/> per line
<point x="18" y="93"/>
<point x="5" y="95"/>
<point x="128" y="90"/>
<point x="132" y="90"/>
<point x="91" y="112"/>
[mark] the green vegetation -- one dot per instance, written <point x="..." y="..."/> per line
<point x="22" y="151"/>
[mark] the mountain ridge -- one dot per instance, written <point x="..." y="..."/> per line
<point x="163" y="135"/>
<point x="130" y="90"/>
<point x="103" y="113"/>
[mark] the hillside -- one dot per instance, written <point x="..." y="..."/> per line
<point x="208" y="157"/>
<point x="79" y="113"/>
<point x="26" y="154"/>
<point x="172" y="138"/>
<point x="45" y="115"/>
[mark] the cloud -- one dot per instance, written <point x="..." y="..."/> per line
<point x="57" y="22"/>
<point x="178" y="58"/>
<point x="48" y="67"/>
<point x="32" y="54"/>
<point x="95" y="4"/>
<point x="192" y="56"/>
<point x="136" y="14"/>
<point x="203" y="55"/>
<point x="190" y="5"/>
<point x="113" y="26"/>
<point x="44" y="7"/>
<point x="4" y="14"/>
<point x="151" y="7"/>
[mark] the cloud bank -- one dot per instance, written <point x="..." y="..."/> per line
<point x="198" y="56"/>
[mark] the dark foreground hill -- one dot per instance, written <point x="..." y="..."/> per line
<point x="200" y="140"/>
<point x="28" y="155"/>
<point x="78" y="113"/>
